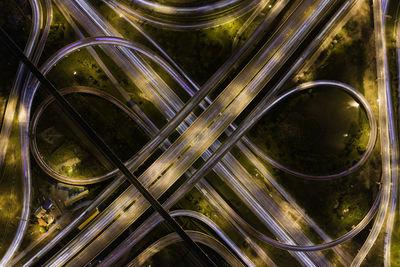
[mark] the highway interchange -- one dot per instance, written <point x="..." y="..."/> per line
<point x="198" y="135"/>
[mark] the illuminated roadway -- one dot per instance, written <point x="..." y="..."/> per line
<point x="187" y="18"/>
<point x="159" y="170"/>
<point x="174" y="153"/>
<point x="119" y="180"/>
<point x="363" y="101"/>
<point x="389" y="144"/>
<point x="86" y="90"/>
<point x="224" y="173"/>
<point x="225" y="117"/>
<point x="337" y="175"/>
<point x="71" y="180"/>
<point x="138" y="235"/>
<point x="198" y="237"/>
<point x="34" y="54"/>
<point x="41" y="108"/>
<point x="244" y="224"/>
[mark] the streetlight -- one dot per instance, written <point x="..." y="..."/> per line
<point x="354" y="104"/>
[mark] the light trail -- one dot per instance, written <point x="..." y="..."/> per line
<point x="186" y="160"/>
<point x="105" y="150"/>
<point x="341" y="17"/>
<point x="24" y="117"/>
<point x="37" y="17"/>
<point x="251" y="119"/>
<point x="186" y="187"/>
<point x="186" y="18"/>
<point x="91" y="41"/>
<point x="253" y="16"/>
<point x="23" y="129"/>
<point x="42" y="107"/>
<point x="80" y="44"/>
<point x="199" y="237"/>
<point x="222" y="170"/>
<point x="389" y="144"/>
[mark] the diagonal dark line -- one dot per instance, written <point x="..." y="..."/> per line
<point x="104" y="149"/>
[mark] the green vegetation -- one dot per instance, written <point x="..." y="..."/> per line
<point x="391" y="36"/>
<point x="350" y="57"/>
<point x="198" y="52"/>
<point x="79" y="68"/>
<point x="15" y="20"/>
<point x="10" y="193"/>
<point x="196" y="201"/>
<point x="177" y="255"/>
<point x="319" y="132"/>
<point x="395" y="249"/>
<point x="60" y="35"/>
<point x="169" y="254"/>
<point x="375" y="256"/>
<point x="249" y="30"/>
<point x="201" y="52"/>
<point x="68" y="153"/>
<point x="269" y="189"/>
<point x="335" y="205"/>
<point x="316" y="132"/>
